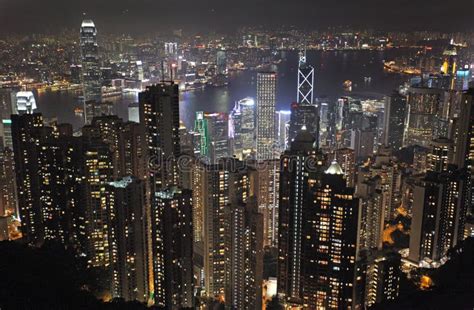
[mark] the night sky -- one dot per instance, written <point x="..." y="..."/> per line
<point x="27" y="16"/>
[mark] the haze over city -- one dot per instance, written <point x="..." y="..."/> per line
<point x="212" y="15"/>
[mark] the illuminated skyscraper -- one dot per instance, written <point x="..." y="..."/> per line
<point x="242" y="128"/>
<point x="464" y="155"/>
<point x="305" y="81"/>
<point x="424" y="108"/>
<point x="318" y="234"/>
<point x="304" y="115"/>
<point x="363" y="141"/>
<point x="394" y="120"/>
<point x="25" y="102"/>
<point x="304" y="112"/>
<point x="134" y="112"/>
<point x="372" y="210"/>
<point x="8" y="192"/>
<point x="91" y="74"/>
<point x="450" y="65"/>
<point x="301" y="167"/>
<point x="219" y="185"/>
<point x="383" y="278"/>
<point x="107" y="130"/>
<point x="332" y="274"/>
<point x="385" y="167"/>
<point x="7" y="100"/>
<point x="171" y="49"/>
<point x="218" y="135"/>
<point x="441" y="154"/>
<point x="126" y="203"/>
<point x="244" y="256"/>
<point x="438" y="216"/>
<point x="126" y="141"/>
<point x="266" y="102"/>
<point x="282" y="129"/>
<point x="172" y="248"/>
<point x="213" y="129"/>
<point x="221" y="62"/>
<point x="346" y="158"/>
<point x="267" y="183"/>
<point x="170" y="63"/>
<point x="28" y="131"/>
<point x="159" y="114"/>
<point x="98" y="171"/>
<point x="200" y="126"/>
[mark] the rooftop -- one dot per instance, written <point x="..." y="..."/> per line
<point x="335" y="168"/>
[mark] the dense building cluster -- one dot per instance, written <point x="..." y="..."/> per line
<point x="187" y="217"/>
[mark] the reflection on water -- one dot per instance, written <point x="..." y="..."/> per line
<point x="332" y="68"/>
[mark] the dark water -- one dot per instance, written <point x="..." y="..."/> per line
<point x="332" y="68"/>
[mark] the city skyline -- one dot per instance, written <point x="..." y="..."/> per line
<point x="266" y="169"/>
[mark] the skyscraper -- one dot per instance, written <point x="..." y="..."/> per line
<point x="346" y="158"/>
<point x="372" y="210"/>
<point x="362" y="141"/>
<point x="200" y="126"/>
<point x="383" y="278"/>
<point x="221" y="62"/>
<point x="59" y="186"/>
<point x="244" y="256"/>
<point x="332" y="274"/>
<point x="242" y="128"/>
<point x="126" y="142"/>
<point x="91" y="75"/>
<point x="438" y="216"/>
<point x="394" y="120"/>
<point x="27" y="132"/>
<point x="266" y="179"/>
<point x="424" y="106"/>
<point x="98" y="171"/>
<point x="384" y="167"/>
<point x="464" y="156"/>
<point x="126" y="204"/>
<point x="8" y="193"/>
<point x="304" y="112"/>
<point x="25" y="102"/>
<point x="218" y="136"/>
<point x="441" y="154"/>
<point x="296" y="179"/>
<point x="282" y="129"/>
<point x="305" y="94"/>
<point x="304" y="115"/>
<point x="172" y="248"/>
<point x="218" y="186"/>
<point x="266" y="102"/>
<point x="159" y="114"/>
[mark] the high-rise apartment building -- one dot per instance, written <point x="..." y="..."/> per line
<point x="244" y="256"/>
<point x="301" y="167"/>
<point x="172" y="248"/>
<point x="438" y="216"/>
<point x="218" y="186"/>
<point x="126" y="203"/>
<point x="159" y="114"/>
